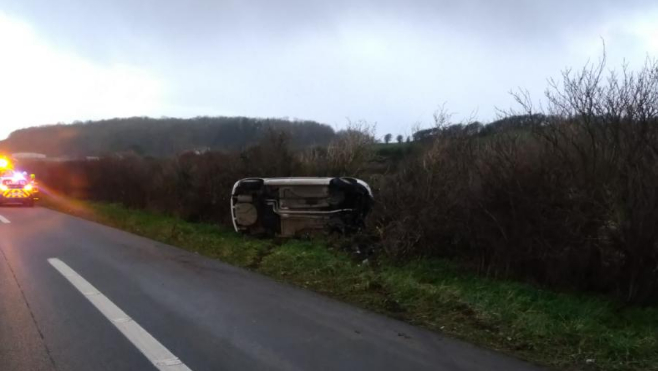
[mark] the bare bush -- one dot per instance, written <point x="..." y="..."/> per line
<point x="349" y="153"/>
<point x="607" y="133"/>
<point x="564" y="196"/>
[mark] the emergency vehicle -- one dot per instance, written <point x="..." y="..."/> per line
<point x="15" y="186"/>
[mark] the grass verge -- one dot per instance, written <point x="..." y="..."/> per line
<point x="562" y="331"/>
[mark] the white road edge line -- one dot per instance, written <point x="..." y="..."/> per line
<point x="160" y="356"/>
<point x="4" y="220"/>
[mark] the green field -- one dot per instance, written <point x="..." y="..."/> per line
<point x="563" y="331"/>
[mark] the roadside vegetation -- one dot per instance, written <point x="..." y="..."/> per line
<point x="535" y="234"/>
<point x="561" y="330"/>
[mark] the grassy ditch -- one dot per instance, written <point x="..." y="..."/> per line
<point x="563" y="331"/>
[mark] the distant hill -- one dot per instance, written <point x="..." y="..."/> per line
<point x="159" y="137"/>
<point x="509" y="124"/>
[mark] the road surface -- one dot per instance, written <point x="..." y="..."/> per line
<point x="75" y="295"/>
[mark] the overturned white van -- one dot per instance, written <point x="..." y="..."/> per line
<point x="287" y="207"/>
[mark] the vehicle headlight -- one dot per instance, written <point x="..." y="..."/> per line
<point x="28" y="187"/>
<point x="3" y="187"/>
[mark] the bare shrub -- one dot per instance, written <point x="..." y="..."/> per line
<point x="607" y="134"/>
<point x="351" y="150"/>
<point x="564" y="196"/>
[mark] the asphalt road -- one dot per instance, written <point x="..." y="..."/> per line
<point x="209" y="315"/>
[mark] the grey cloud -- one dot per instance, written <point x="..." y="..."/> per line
<point x="386" y="61"/>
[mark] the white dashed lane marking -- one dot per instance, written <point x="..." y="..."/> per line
<point x="4" y="220"/>
<point x="160" y="356"/>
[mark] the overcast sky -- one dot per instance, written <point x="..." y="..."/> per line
<point x="384" y="61"/>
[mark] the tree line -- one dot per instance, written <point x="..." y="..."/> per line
<point x="160" y="137"/>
